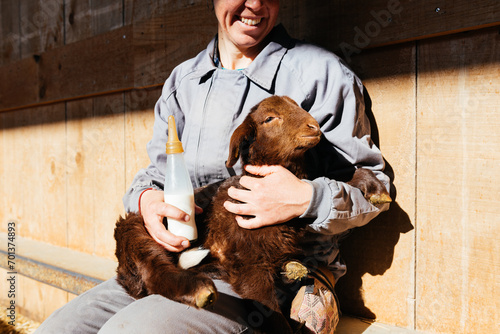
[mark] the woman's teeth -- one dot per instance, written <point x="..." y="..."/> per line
<point x="250" y="22"/>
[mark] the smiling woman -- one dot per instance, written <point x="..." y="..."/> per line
<point x="250" y="59"/>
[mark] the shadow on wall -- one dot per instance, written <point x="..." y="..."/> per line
<point x="370" y="249"/>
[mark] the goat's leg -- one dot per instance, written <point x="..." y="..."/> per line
<point x="373" y="189"/>
<point x="192" y="289"/>
<point x="256" y="287"/>
<point x="145" y="268"/>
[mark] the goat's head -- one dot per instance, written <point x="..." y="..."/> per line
<point x="276" y="132"/>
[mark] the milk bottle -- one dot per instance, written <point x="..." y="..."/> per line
<point x="178" y="188"/>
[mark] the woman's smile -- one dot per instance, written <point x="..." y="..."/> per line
<point x="243" y="25"/>
<point x="250" y="22"/>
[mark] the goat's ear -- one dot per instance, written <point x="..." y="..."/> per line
<point x="243" y="134"/>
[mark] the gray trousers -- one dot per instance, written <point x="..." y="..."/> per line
<point x="107" y="309"/>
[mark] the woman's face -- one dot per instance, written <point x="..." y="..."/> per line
<point x="246" y="23"/>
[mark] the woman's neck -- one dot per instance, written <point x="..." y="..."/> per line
<point x="234" y="58"/>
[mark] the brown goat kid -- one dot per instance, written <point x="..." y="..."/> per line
<point x="276" y="132"/>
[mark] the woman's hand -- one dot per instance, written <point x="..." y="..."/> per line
<point x="273" y="199"/>
<point x="153" y="209"/>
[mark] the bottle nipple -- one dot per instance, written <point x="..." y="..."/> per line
<point x="174" y="145"/>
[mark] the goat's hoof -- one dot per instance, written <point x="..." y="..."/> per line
<point x="380" y="199"/>
<point x="206" y="297"/>
<point x="295" y="271"/>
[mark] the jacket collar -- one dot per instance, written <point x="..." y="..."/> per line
<point x="263" y="69"/>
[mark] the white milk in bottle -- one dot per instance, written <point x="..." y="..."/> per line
<point x="178" y="188"/>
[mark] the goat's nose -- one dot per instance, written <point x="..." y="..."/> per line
<point x="313" y="126"/>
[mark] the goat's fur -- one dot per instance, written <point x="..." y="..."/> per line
<point x="276" y="132"/>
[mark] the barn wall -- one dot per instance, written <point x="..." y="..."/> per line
<point x="80" y="79"/>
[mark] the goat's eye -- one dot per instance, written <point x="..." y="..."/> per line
<point x="269" y="119"/>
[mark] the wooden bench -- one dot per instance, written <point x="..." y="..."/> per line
<point x="63" y="268"/>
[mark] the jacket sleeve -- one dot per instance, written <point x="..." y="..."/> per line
<point x="153" y="176"/>
<point x="340" y="110"/>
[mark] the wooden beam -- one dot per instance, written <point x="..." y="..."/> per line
<point x="87" y="67"/>
<point x="143" y="53"/>
<point x="19" y="84"/>
<point x="390" y="21"/>
<point x="90" y="67"/>
<point x="347" y="27"/>
<point x="136" y="56"/>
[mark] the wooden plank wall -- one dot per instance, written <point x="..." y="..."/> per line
<point x="434" y="255"/>
<point x="457" y="193"/>
<point x="380" y="256"/>
<point x="80" y="79"/>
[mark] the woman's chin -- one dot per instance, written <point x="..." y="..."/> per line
<point x="245" y="40"/>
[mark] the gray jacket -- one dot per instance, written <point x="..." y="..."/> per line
<point x="209" y="102"/>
